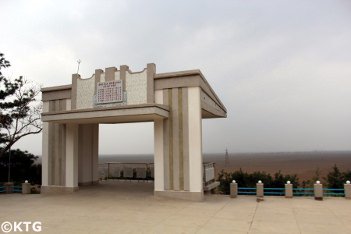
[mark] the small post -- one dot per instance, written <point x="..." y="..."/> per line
<point x="259" y="190"/>
<point x="8" y="187"/>
<point x="233" y="189"/>
<point x="347" y="190"/>
<point x="318" y="191"/>
<point x="288" y="189"/>
<point x="26" y="187"/>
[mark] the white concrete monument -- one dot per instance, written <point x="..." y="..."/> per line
<point x="176" y="102"/>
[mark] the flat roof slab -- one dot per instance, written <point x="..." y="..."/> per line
<point x="122" y="114"/>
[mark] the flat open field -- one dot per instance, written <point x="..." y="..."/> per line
<point x="304" y="164"/>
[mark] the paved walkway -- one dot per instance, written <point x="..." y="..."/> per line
<point x="129" y="207"/>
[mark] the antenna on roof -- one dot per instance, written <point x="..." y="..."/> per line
<point x="78" y="61"/>
<point x="226" y="158"/>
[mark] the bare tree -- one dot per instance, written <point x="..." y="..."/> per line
<point x="20" y="110"/>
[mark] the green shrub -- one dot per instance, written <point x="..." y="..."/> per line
<point x="336" y="178"/>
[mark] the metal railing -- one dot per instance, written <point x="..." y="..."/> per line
<point x="128" y="171"/>
<point x="11" y="189"/>
<point x="334" y="192"/>
<point x="17" y="189"/>
<point x="246" y="191"/>
<point x="303" y="192"/>
<point x="274" y="191"/>
<point x="208" y="173"/>
<point x="144" y="171"/>
<point x="267" y="191"/>
<point x="298" y="192"/>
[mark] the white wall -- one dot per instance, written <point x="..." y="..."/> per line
<point x="195" y="139"/>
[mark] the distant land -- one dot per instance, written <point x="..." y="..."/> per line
<point x="304" y="164"/>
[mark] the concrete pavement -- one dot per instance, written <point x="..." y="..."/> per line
<point x="130" y="207"/>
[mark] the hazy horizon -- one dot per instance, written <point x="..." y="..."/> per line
<point x="238" y="153"/>
<point x="281" y="68"/>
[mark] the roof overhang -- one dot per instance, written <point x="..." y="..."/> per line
<point x="122" y="114"/>
<point x="192" y="78"/>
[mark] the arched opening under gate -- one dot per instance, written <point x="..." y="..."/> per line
<point x="126" y="157"/>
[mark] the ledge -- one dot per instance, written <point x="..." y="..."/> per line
<point x="189" y="78"/>
<point x="56" y="88"/>
<point x="120" y="114"/>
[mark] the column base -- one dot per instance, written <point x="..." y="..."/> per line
<point x="183" y="195"/>
<point x="54" y="189"/>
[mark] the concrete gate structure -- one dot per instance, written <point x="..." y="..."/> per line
<point x="176" y="102"/>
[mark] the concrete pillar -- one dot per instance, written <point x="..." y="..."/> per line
<point x="8" y="187"/>
<point x="88" y="139"/>
<point x="195" y="140"/>
<point x="233" y="189"/>
<point x="72" y="156"/>
<point x="260" y="189"/>
<point x="159" y="138"/>
<point x="347" y="190"/>
<point x="45" y="155"/>
<point x="158" y="158"/>
<point x="318" y="191"/>
<point x="26" y="188"/>
<point x="178" y="145"/>
<point x="95" y="154"/>
<point x="151" y="71"/>
<point x="288" y="190"/>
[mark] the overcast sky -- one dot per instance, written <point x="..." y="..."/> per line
<point x="282" y="68"/>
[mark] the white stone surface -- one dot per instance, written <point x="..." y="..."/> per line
<point x="207" y="99"/>
<point x="136" y="87"/>
<point x="45" y="154"/>
<point x="158" y="147"/>
<point x="158" y="158"/>
<point x="68" y="104"/>
<point x="102" y="77"/>
<point x="159" y="96"/>
<point x="71" y="155"/>
<point x="195" y="140"/>
<point x="46" y="106"/>
<point x="85" y="92"/>
<point x="88" y="153"/>
<point x="117" y="75"/>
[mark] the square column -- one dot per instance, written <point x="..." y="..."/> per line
<point x="178" y="145"/>
<point x="88" y="141"/>
<point x="45" y="155"/>
<point x="159" y="157"/>
<point x="159" y="148"/>
<point x="72" y="156"/>
<point x="195" y="140"/>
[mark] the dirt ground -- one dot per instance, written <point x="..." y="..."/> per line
<point x="304" y="164"/>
